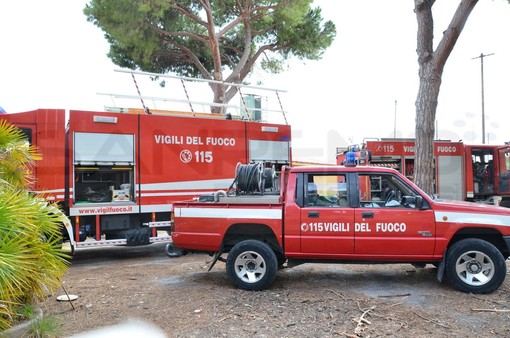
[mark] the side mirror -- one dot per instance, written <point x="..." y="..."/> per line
<point x="418" y="202"/>
<point x="413" y="201"/>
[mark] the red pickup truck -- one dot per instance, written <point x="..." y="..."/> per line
<point x="346" y="214"/>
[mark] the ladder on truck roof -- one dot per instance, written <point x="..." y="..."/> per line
<point x="243" y="109"/>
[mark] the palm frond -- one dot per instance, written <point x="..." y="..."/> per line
<point x="31" y="259"/>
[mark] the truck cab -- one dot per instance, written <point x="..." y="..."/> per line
<point x="488" y="173"/>
<point x="477" y="173"/>
<point x="364" y="212"/>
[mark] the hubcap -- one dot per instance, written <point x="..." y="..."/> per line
<point x="250" y="267"/>
<point x="475" y="268"/>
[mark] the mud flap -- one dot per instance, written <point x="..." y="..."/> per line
<point x="66" y="222"/>
<point x="441" y="269"/>
<point x="69" y="228"/>
<point x="174" y="252"/>
<point x="216" y="257"/>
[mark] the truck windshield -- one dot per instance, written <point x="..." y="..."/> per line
<point x="504" y="154"/>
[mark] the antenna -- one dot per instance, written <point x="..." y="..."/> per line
<point x="482" y="55"/>
<point x="395" y="121"/>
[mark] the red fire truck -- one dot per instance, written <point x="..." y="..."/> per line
<point x="346" y="214"/>
<point x="116" y="175"/>
<point x="462" y="172"/>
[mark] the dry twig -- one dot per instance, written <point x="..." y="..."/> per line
<point x="336" y="293"/>
<point x="491" y="310"/>
<point x="432" y="320"/>
<point x="395" y="296"/>
<point x="499" y="302"/>
<point x="362" y="321"/>
<point x="393" y="305"/>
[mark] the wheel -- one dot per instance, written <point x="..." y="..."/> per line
<point x="475" y="266"/>
<point x="252" y="265"/>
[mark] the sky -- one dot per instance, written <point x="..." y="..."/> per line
<point x="364" y="86"/>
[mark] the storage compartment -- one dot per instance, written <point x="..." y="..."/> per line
<point x="102" y="184"/>
<point x="115" y="222"/>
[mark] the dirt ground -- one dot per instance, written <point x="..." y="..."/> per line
<point x="179" y="297"/>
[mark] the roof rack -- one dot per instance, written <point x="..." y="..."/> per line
<point x="250" y="107"/>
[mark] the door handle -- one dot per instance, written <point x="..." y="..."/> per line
<point x="367" y="214"/>
<point x="313" y="214"/>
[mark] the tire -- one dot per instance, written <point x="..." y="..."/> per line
<point x="252" y="265"/>
<point x="475" y="266"/>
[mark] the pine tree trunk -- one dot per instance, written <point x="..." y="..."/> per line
<point x="426" y="105"/>
<point x="219" y="98"/>
<point x="431" y="65"/>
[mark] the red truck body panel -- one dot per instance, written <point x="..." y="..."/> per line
<point x="204" y="226"/>
<point x="46" y="129"/>
<point x="115" y="172"/>
<point x="215" y="145"/>
<point x="346" y="233"/>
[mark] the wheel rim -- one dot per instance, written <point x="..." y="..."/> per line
<point x="475" y="268"/>
<point x="250" y="267"/>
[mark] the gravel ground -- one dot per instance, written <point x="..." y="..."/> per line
<point x="179" y="298"/>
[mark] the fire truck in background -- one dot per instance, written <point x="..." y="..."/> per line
<point x="463" y="172"/>
<point x="116" y="175"/>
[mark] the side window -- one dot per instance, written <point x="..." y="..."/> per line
<point x="384" y="191"/>
<point x="483" y="170"/>
<point x="28" y="133"/>
<point x="326" y="190"/>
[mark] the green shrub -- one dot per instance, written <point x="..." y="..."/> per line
<point x="31" y="258"/>
<point x="47" y="327"/>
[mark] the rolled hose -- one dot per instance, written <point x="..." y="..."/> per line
<point x="218" y="194"/>
<point x="254" y="177"/>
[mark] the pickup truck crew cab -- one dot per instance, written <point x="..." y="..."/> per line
<point x="346" y="214"/>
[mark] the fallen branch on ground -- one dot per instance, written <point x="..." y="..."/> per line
<point x="391" y="296"/>
<point x="432" y="320"/>
<point x="362" y="321"/>
<point x="499" y="302"/>
<point x="337" y="293"/>
<point x="491" y="310"/>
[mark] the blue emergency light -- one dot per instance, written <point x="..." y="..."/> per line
<point x="350" y="159"/>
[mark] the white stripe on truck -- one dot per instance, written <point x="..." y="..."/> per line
<point x="246" y="213"/>
<point x="472" y="218"/>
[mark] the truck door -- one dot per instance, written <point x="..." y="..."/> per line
<point x="503" y="171"/>
<point x="387" y="223"/>
<point x="482" y="159"/>
<point x="326" y="216"/>
<point x="30" y="131"/>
